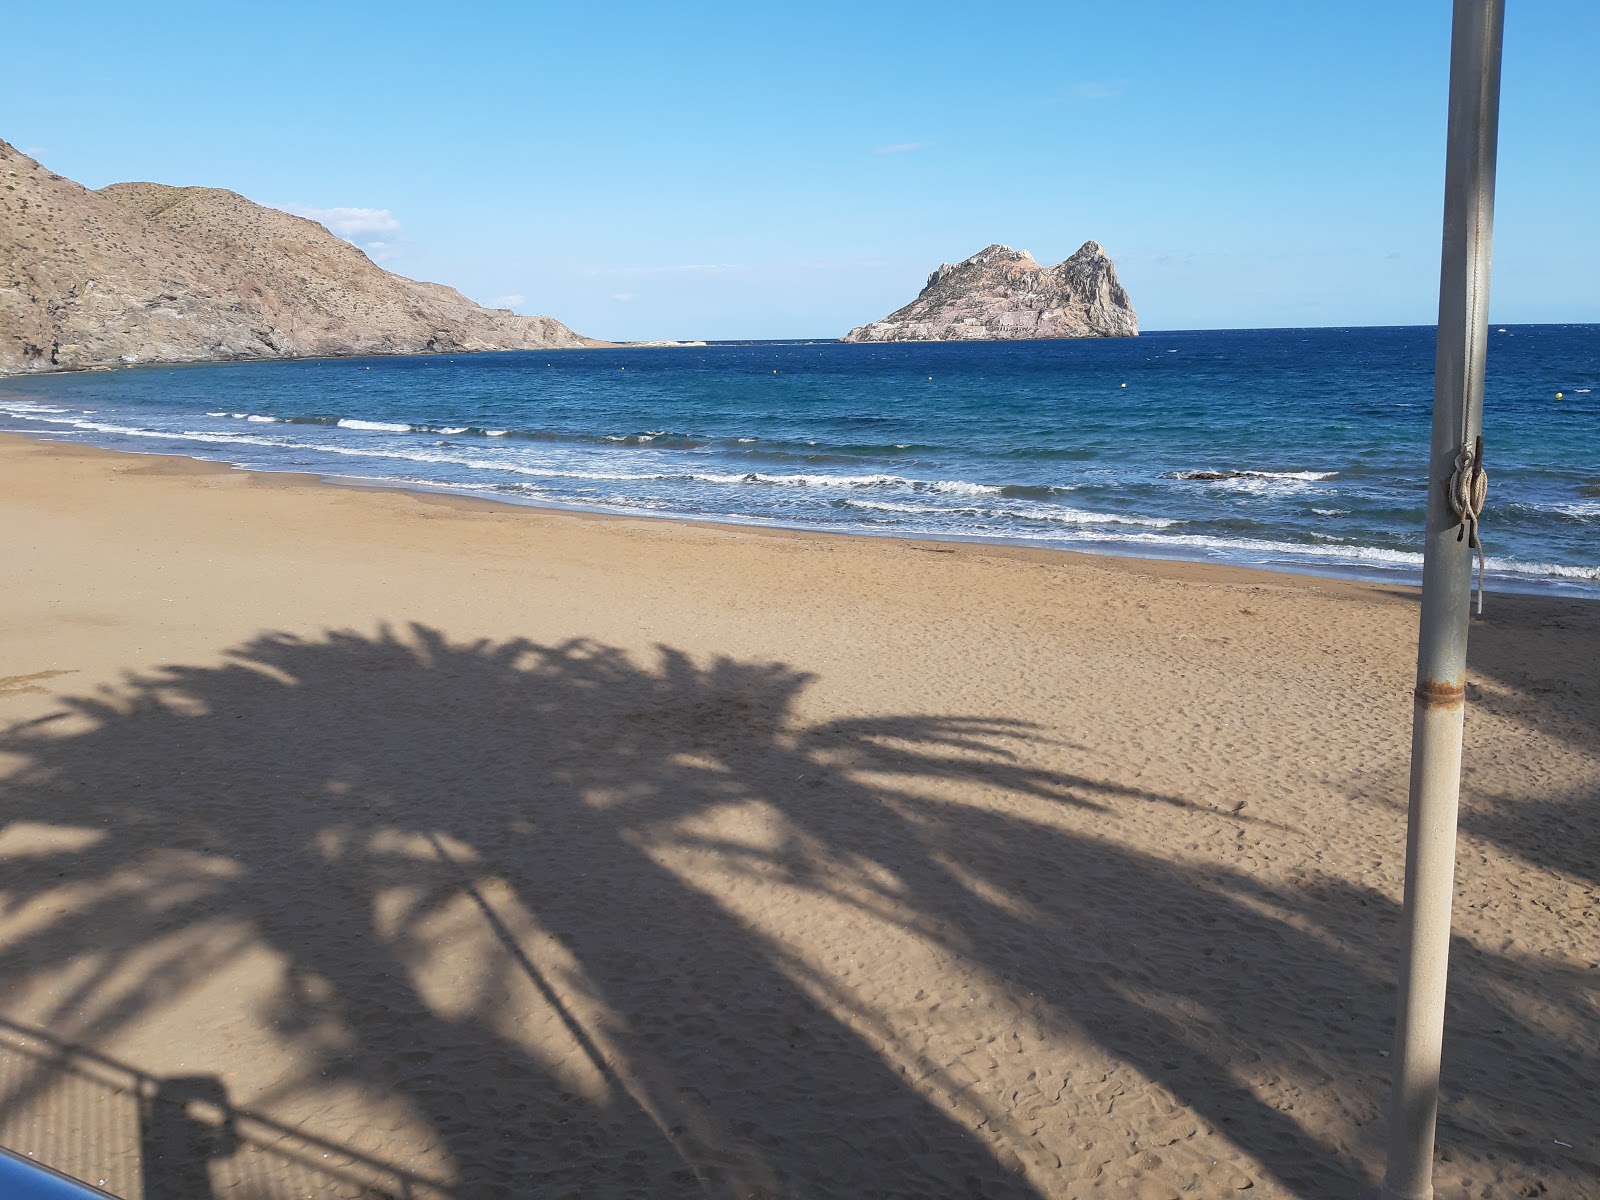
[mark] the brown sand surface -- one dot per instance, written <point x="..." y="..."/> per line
<point x="359" y="843"/>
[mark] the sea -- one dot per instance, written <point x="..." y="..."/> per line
<point x="1291" y="449"/>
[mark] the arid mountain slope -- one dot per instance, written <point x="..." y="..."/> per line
<point x="142" y="272"/>
<point x="1002" y="294"/>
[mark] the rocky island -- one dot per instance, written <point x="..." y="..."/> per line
<point x="143" y="272"/>
<point x="1002" y="294"/>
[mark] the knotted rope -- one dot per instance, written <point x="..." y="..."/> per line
<point x="1468" y="488"/>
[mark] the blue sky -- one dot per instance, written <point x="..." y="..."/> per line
<point x="726" y="171"/>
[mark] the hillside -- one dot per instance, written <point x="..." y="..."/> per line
<point x="143" y="272"/>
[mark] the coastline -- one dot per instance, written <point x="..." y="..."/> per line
<point x="1325" y="507"/>
<point x="417" y="824"/>
<point x="1408" y="580"/>
<point x="98" y="368"/>
<point x="1174" y="567"/>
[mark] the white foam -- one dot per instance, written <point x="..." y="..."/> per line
<point x="1379" y="556"/>
<point x="1263" y="485"/>
<point x="1582" y="509"/>
<point x="1262" y="549"/>
<point x="649" y="435"/>
<point x="920" y="510"/>
<point x="1235" y="476"/>
<point x="375" y="426"/>
<point x="21" y="408"/>
<point x="453" y="429"/>
<point x="261" y="420"/>
<point x="960" y="487"/>
<point x="1066" y="516"/>
<point x="1551" y="570"/>
<point x="1078" y="516"/>
<point x="497" y="433"/>
<point x="800" y="480"/>
<point x="1049" y="523"/>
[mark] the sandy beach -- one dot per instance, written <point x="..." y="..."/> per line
<point x="367" y="843"/>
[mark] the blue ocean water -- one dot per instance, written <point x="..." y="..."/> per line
<point x="1293" y="449"/>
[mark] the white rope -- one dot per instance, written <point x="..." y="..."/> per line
<point x="1469" y="487"/>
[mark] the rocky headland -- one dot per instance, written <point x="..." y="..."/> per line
<point x="1002" y="294"/>
<point x="143" y="272"/>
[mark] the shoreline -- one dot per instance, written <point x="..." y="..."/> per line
<point x="1405" y="579"/>
<point x="1342" y="506"/>
<point x="1185" y="569"/>
<point x="99" y="368"/>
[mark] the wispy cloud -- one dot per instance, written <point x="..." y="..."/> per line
<point x="624" y="297"/>
<point x="355" y="225"/>
<point x="349" y="223"/>
<point x="35" y="152"/>
<point x="902" y="148"/>
<point x="514" y="300"/>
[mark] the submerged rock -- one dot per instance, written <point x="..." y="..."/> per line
<point x="1001" y="294"/>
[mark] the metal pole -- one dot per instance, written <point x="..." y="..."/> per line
<point x="1446" y="594"/>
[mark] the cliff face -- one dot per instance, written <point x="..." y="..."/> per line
<point x="142" y="272"/>
<point x="1001" y="294"/>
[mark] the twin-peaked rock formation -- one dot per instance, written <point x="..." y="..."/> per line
<point x="1002" y="294"/>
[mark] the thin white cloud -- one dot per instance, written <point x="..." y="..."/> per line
<point x="349" y="223"/>
<point x="356" y="226"/>
<point x="622" y="296"/>
<point x="35" y="152"/>
<point x="515" y="300"/>
<point x="903" y="148"/>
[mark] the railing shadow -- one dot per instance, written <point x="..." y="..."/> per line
<point x="161" y="1137"/>
<point x="591" y="927"/>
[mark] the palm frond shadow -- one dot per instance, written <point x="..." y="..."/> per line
<point x="362" y="805"/>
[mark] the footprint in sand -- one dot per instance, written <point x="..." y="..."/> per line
<point x="19" y="685"/>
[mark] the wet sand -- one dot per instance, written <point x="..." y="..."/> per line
<point x="368" y="843"/>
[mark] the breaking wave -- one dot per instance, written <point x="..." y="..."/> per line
<point x="1219" y="476"/>
<point x="376" y="426"/>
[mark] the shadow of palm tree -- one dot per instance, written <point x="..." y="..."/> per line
<point x="556" y="906"/>
<point x="1511" y="655"/>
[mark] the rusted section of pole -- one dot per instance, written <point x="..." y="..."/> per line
<point x="1430" y="693"/>
<point x="1446" y="596"/>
